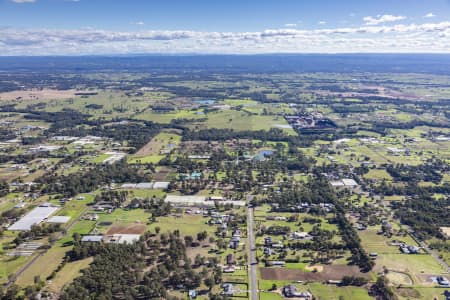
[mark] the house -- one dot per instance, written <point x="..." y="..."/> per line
<point x="275" y="263"/>
<point x="228" y="289"/>
<point x="192" y="176"/>
<point x="234" y="244"/>
<point x="278" y="245"/>
<point x="300" y="235"/>
<point x="192" y="294"/>
<point x="360" y="226"/>
<point x="395" y="151"/>
<point x="92" y="238"/>
<point x="409" y="249"/>
<point x="443" y="281"/>
<point x="290" y="291"/>
<point x="235" y="239"/>
<point x="19" y="205"/>
<point x="276" y="218"/>
<point x="268" y="241"/>
<point x="267" y="251"/>
<point x="122" y="238"/>
<point x="229" y="269"/>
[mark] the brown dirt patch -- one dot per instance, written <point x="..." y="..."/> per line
<point x="129" y="229"/>
<point x="152" y="147"/>
<point x="334" y="272"/>
<point x="162" y="173"/>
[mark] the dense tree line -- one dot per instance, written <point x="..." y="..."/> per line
<point x="4" y="188"/>
<point x="6" y="134"/>
<point x="316" y="190"/>
<point x="424" y="214"/>
<point x="86" y="181"/>
<point x="426" y="172"/>
<point x="353" y="242"/>
<point x="134" y="135"/>
<point x="148" y="269"/>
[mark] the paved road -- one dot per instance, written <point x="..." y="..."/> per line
<point x="252" y="257"/>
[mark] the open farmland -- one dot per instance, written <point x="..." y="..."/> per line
<point x="248" y="184"/>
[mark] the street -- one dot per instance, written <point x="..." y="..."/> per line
<point x="252" y="257"/>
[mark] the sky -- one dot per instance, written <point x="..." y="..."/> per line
<point x="85" y="27"/>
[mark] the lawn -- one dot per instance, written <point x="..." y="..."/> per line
<point x="413" y="264"/>
<point x="166" y="118"/>
<point x="240" y="120"/>
<point x="270" y="296"/>
<point x="75" y="208"/>
<point x="122" y="216"/>
<point x="154" y="159"/>
<point x="10" y="265"/>
<point x="68" y="273"/>
<point x="43" y="266"/>
<point x="187" y="225"/>
<point x="320" y="291"/>
<point x="378" y="174"/>
<point x="332" y="292"/>
<point x="81" y="227"/>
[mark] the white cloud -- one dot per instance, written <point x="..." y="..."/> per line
<point x="290" y="25"/>
<point x="379" y="19"/>
<point x="427" y="37"/>
<point x="139" y="23"/>
<point x="23" y="1"/>
<point x="429" y="15"/>
<point x="322" y="23"/>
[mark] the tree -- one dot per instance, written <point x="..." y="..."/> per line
<point x="201" y="236"/>
<point x="209" y="282"/>
<point x="382" y="289"/>
<point x="188" y="240"/>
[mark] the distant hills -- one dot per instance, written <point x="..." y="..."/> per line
<point x="275" y="63"/>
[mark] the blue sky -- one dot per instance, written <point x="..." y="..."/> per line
<point x="230" y="26"/>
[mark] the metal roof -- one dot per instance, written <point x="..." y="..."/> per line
<point x="34" y="217"/>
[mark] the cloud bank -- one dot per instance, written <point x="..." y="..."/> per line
<point x="424" y="38"/>
<point x="382" y="19"/>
